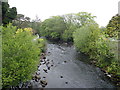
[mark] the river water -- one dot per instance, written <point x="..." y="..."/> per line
<point x="63" y="67"/>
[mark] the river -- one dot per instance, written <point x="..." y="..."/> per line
<point x="64" y="67"/>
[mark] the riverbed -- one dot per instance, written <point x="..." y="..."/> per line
<point x="64" y="67"/>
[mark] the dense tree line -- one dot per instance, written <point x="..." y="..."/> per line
<point x="8" y="14"/>
<point x="62" y="27"/>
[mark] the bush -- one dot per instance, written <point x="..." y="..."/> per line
<point x="20" y="55"/>
<point x="114" y="68"/>
<point x="68" y="33"/>
<point x="85" y="38"/>
<point x="90" y="40"/>
<point x="42" y="44"/>
<point x="97" y="44"/>
<point x="104" y="55"/>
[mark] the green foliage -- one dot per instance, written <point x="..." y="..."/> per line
<point x="21" y="21"/>
<point x="74" y="21"/>
<point x="20" y="56"/>
<point x="104" y="54"/>
<point x="78" y="19"/>
<point x="67" y="35"/>
<point x="83" y="18"/>
<point x="36" y="27"/>
<point x="8" y="14"/>
<point x="85" y="38"/>
<point x="92" y="41"/>
<point x="114" y="68"/>
<point x="42" y="44"/>
<point x="54" y="35"/>
<point x="53" y="27"/>
<point x="113" y="26"/>
<point x="62" y="27"/>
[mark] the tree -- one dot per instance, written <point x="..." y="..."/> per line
<point x="8" y="14"/>
<point x="21" y="21"/>
<point x="0" y="13"/>
<point x="62" y="27"/>
<point x="79" y="19"/>
<point x="53" y="27"/>
<point x="35" y="24"/>
<point x="74" y="21"/>
<point x="113" y="26"/>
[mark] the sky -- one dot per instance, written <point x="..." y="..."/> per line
<point x="103" y="9"/>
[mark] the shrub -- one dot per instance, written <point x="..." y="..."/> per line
<point x="114" y="68"/>
<point x="42" y="44"/>
<point x="104" y="55"/>
<point x="90" y="40"/>
<point x="68" y="33"/>
<point x="85" y="38"/>
<point x="20" y="55"/>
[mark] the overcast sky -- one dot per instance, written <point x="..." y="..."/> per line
<point x="103" y="9"/>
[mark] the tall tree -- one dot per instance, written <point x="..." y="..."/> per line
<point x="21" y="21"/>
<point x="74" y="21"/>
<point x="35" y="24"/>
<point x="113" y="26"/>
<point x="53" y="27"/>
<point x="78" y="19"/>
<point x="8" y="14"/>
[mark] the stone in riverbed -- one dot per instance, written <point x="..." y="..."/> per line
<point x="43" y="83"/>
<point x="65" y="61"/>
<point x="66" y="82"/>
<point x="44" y="77"/>
<point x="37" y="73"/>
<point x="61" y="76"/>
<point x="47" y="63"/>
<point x="44" y="62"/>
<point x="52" y="65"/>
<point x="45" y="70"/>
<point x="41" y="60"/>
<point x="33" y="77"/>
<point x="37" y="77"/>
<point x="29" y="85"/>
<point x="48" y="52"/>
<point x="44" y="57"/>
<point x="48" y="60"/>
<point x="48" y="68"/>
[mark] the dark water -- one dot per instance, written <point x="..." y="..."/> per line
<point x="65" y="68"/>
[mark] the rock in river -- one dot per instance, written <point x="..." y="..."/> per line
<point x="61" y="76"/>
<point x="66" y="82"/>
<point x="45" y="70"/>
<point x="43" y="83"/>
